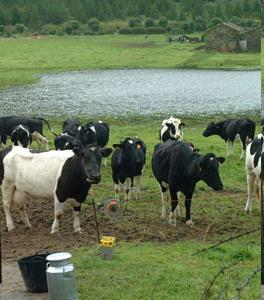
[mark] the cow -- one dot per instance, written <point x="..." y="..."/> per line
<point x="229" y="129"/>
<point x="254" y="170"/>
<point x="21" y="136"/>
<point x="65" y="176"/>
<point x="7" y="125"/>
<point x="40" y="140"/>
<point x="64" y="141"/>
<point x="70" y="126"/>
<point x="127" y="162"/>
<point x="178" y="168"/>
<point x="171" y="128"/>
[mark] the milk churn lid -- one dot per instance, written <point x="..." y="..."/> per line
<point x="59" y="256"/>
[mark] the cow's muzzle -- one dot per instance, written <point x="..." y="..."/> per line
<point x="94" y="179"/>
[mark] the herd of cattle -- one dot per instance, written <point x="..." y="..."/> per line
<point x="67" y="175"/>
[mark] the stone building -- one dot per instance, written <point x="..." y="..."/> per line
<point x="230" y="37"/>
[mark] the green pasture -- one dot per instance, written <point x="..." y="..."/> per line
<point x="23" y="59"/>
<point x="145" y="269"/>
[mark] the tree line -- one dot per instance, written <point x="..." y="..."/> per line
<point x="36" y="13"/>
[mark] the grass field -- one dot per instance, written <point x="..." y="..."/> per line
<point x="22" y="59"/>
<point x="158" y="261"/>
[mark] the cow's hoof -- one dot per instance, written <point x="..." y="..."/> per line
<point x="172" y="222"/>
<point x="248" y="211"/>
<point x="190" y="223"/>
<point x="78" y="230"/>
<point x="54" y="231"/>
<point x="10" y="228"/>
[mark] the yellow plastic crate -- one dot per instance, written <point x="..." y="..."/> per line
<point x="108" y="241"/>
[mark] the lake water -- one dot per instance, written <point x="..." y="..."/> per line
<point x="136" y="92"/>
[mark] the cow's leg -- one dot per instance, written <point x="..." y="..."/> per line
<point x="58" y="211"/>
<point x="164" y="201"/>
<point x="76" y="219"/>
<point x="178" y="211"/>
<point x="105" y="162"/>
<point x="127" y="190"/>
<point x="250" y="188"/>
<point x="20" y="200"/>
<point x="8" y="193"/>
<point x="188" y="203"/>
<point x="117" y="187"/>
<point x="243" y="145"/>
<point x="138" y="180"/>
<point x="47" y="145"/>
<point x="230" y="148"/>
<point x="174" y="203"/>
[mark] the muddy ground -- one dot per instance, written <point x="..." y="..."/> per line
<point x="140" y="223"/>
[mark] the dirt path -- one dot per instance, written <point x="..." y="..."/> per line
<point x="13" y="287"/>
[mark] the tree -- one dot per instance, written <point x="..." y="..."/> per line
<point x="163" y="22"/>
<point x="133" y="22"/>
<point x="93" y="24"/>
<point x="215" y="21"/>
<point x="149" y="22"/>
<point x="199" y="24"/>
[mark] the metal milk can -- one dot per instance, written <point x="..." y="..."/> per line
<point x="60" y="277"/>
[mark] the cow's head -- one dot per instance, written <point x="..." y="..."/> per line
<point x="90" y="157"/>
<point x="130" y="151"/>
<point x="211" y="129"/>
<point x="175" y="127"/>
<point x="86" y="135"/>
<point x="64" y="142"/>
<point x="21" y="136"/>
<point x="209" y="170"/>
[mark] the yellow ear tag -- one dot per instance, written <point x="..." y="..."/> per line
<point x="138" y="146"/>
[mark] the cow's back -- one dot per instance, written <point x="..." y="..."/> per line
<point x="35" y="174"/>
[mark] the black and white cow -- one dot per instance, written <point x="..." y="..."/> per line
<point x="177" y="168"/>
<point x="253" y="170"/>
<point x="7" y="125"/>
<point x="171" y="128"/>
<point x="65" y="176"/>
<point x="229" y="129"/>
<point x="21" y="136"/>
<point x="71" y="126"/>
<point x="127" y="163"/>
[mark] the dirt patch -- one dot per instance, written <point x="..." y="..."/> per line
<point x="140" y="223"/>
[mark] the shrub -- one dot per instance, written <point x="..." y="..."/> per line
<point x="49" y="29"/>
<point x="155" y="30"/>
<point x="76" y="32"/>
<point x="149" y="22"/>
<point x="20" y="27"/>
<point x="163" y="22"/>
<point x="125" y="30"/>
<point x="68" y="29"/>
<point x="187" y="27"/>
<point x="235" y="20"/>
<point x="215" y="21"/>
<point x="134" y="22"/>
<point x="93" y="24"/>
<point x="74" y="24"/>
<point x="2" y="28"/>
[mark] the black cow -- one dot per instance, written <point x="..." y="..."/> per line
<point x="229" y="129"/>
<point x="21" y="136"/>
<point x="71" y="126"/>
<point x="127" y="162"/>
<point x="177" y="168"/>
<point x="7" y="125"/>
<point x="102" y="135"/>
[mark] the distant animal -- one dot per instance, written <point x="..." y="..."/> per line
<point x="127" y="162"/>
<point x="7" y="125"/>
<point x="70" y="126"/>
<point x="229" y="129"/>
<point x="65" y="176"/>
<point x="171" y="128"/>
<point x="177" y="168"/>
<point x="40" y="139"/>
<point x="254" y="170"/>
<point x="21" y="136"/>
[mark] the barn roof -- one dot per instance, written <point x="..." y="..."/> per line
<point x="235" y="27"/>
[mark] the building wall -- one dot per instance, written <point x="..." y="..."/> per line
<point x="222" y="38"/>
<point x="253" y="38"/>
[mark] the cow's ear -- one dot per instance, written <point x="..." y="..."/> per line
<point x="105" y="152"/>
<point x="182" y="125"/>
<point x="78" y="151"/>
<point x="221" y="160"/>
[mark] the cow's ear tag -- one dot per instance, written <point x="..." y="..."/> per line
<point x="138" y="146"/>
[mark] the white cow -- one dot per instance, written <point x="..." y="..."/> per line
<point x="171" y="128"/>
<point x="59" y="175"/>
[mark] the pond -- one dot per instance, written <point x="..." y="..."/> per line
<point x="141" y="92"/>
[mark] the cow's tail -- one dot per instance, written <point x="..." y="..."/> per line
<point x="50" y="129"/>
